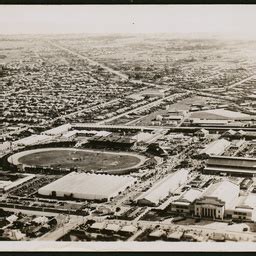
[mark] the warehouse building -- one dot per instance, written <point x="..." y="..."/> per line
<point x="207" y="123"/>
<point x="217" y="147"/>
<point x="33" y="139"/>
<point x="58" y="131"/>
<point x="219" y="114"/>
<point x="235" y="166"/>
<point x="7" y="185"/>
<point x="163" y="188"/>
<point x="144" y="137"/>
<point x="87" y="186"/>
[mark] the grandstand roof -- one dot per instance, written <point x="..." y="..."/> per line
<point x="230" y="162"/>
<point x="112" y="139"/>
<point x="230" y="170"/>
<point x="92" y="133"/>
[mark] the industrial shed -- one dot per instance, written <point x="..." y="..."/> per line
<point x="245" y="208"/>
<point x="163" y="188"/>
<point x="57" y="131"/>
<point x="184" y="204"/>
<point x="219" y="114"/>
<point x="87" y="186"/>
<point x="217" y="147"/>
<point x="31" y="140"/>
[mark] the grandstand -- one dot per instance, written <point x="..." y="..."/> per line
<point x="236" y="166"/>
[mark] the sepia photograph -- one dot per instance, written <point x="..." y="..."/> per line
<point x="127" y="127"/>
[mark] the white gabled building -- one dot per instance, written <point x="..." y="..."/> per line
<point x="245" y="208"/>
<point x="184" y="204"/>
<point x="216" y="147"/>
<point x="87" y="186"/>
<point x="58" y="131"/>
<point x="163" y="188"/>
<point x="31" y="140"/>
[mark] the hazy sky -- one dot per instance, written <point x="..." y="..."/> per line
<point x="227" y="19"/>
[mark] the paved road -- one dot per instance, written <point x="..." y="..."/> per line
<point x="32" y="212"/>
<point x="135" y="120"/>
<point x="150" y="104"/>
<point x="63" y="229"/>
<point x="145" y="83"/>
<point x="75" y="221"/>
<point x="86" y="108"/>
<point x="242" y="81"/>
<point x="136" y="234"/>
<point x="93" y="62"/>
<point x="118" y="73"/>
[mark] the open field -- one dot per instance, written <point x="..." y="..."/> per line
<point x="84" y="159"/>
